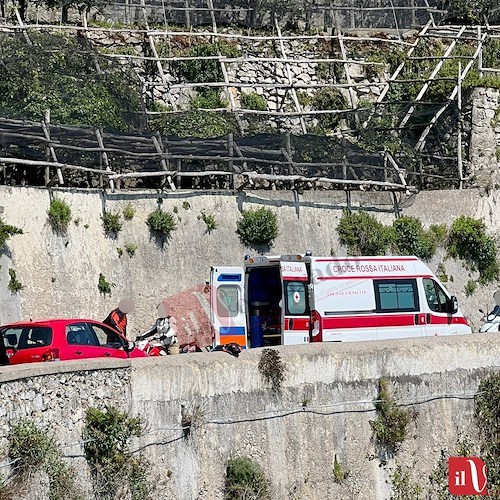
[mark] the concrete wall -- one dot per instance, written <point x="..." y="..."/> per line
<point x="60" y="273"/>
<point x="324" y="410"/>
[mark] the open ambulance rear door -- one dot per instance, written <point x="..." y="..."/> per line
<point x="295" y="303"/>
<point x="227" y="305"/>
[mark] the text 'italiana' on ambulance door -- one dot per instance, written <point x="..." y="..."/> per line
<point x="295" y="303"/>
<point x="227" y="305"/>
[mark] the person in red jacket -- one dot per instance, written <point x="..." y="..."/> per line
<point x="117" y="318"/>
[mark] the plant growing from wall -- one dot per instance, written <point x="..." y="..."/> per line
<point x="14" y="284"/>
<point x="468" y="241"/>
<point x="103" y="285"/>
<point x="209" y="220"/>
<point x="191" y="416"/>
<point x="131" y="248"/>
<point x="410" y="238"/>
<point x="162" y="223"/>
<point x="106" y="436"/>
<point x="119" y="250"/>
<point x="391" y="424"/>
<point x="339" y="474"/>
<point x="272" y="369"/>
<point x="252" y="100"/>
<point x="112" y="223"/>
<point x="59" y="214"/>
<point x="362" y="234"/>
<point x="403" y="488"/>
<point x="487" y="417"/>
<point x="128" y="211"/>
<point x="245" y="479"/>
<point x="34" y="449"/>
<point x="470" y="288"/>
<point x="258" y="227"/>
<point x="7" y="231"/>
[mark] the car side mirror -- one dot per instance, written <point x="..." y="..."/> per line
<point x="130" y="346"/>
<point x="452" y="305"/>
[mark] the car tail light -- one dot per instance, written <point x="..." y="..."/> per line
<point x="51" y="355"/>
<point x="317" y="327"/>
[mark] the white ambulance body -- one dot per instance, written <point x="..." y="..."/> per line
<point x="295" y="299"/>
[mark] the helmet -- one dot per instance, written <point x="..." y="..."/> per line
<point x="233" y="348"/>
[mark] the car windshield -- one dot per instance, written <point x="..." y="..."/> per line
<point x="27" y="337"/>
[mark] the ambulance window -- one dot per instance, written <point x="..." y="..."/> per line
<point x="396" y="295"/>
<point x="227" y="301"/>
<point x="295" y="297"/>
<point x="436" y="298"/>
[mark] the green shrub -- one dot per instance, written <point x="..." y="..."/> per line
<point x="112" y="223"/>
<point x="470" y="288"/>
<point x="258" y="227"/>
<point x="402" y="486"/>
<point x="161" y="222"/>
<point x="439" y="233"/>
<point x="362" y="234"/>
<point x="106" y="437"/>
<point x="328" y="99"/>
<point x="103" y="285"/>
<point x="391" y="424"/>
<point x="6" y="231"/>
<point x="14" y="284"/>
<point x="252" y="100"/>
<point x="210" y="99"/>
<point x="128" y="211"/>
<point x="209" y="220"/>
<point x="59" y="215"/>
<point x="195" y="123"/>
<point x="487" y="416"/>
<point x="131" y="248"/>
<point x="205" y="70"/>
<point x="468" y="241"/>
<point x="410" y="238"/>
<point x="34" y="449"/>
<point x="272" y="369"/>
<point x="245" y="479"/>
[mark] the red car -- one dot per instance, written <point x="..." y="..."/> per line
<point x="62" y="339"/>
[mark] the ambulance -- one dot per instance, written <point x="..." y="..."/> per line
<point x="295" y="299"/>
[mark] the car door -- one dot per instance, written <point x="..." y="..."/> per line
<point x="27" y="343"/>
<point x="90" y="340"/>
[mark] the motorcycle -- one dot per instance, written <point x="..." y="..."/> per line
<point x="152" y="346"/>
<point x="492" y="319"/>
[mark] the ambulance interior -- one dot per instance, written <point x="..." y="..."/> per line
<point x="264" y="295"/>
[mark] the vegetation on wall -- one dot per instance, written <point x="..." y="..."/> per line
<point x="487" y="416"/>
<point x="116" y="472"/>
<point x="103" y="285"/>
<point x="209" y="220"/>
<point x="257" y="227"/>
<point x="111" y="223"/>
<point x="6" y="232"/>
<point x="245" y="479"/>
<point x="162" y="223"/>
<point x="362" y="234"/>
<point x="272" y="369"/>
<point x="328" y="99"/>
<point x="58" y="73"/>
<point x="34" y="449"/>
<point x="252" y="100"/>
<point x="391" y="424"/>
<point x="410" y="238"/>
<point x="59" y="215"/>
<point x="14" y="284"/>
<point x="469" y="241"/>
